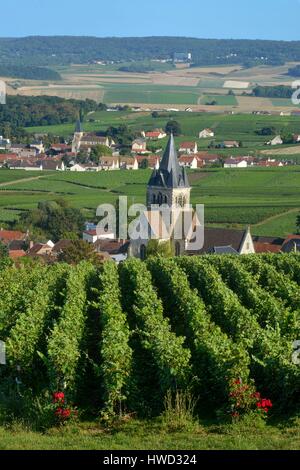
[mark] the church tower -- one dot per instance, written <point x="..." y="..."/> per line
<point x="169" y="183"/>
<point x="78" y="134"/>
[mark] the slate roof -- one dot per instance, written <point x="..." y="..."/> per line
<point x="219" y="238"/>
<point x="169" y="174"/>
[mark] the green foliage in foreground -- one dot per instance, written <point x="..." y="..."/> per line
<point x="118" y="340"/>
<point x="150" y="435"/>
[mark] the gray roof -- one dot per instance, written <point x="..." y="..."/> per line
<point x="170" y="174"/>
<point x="225" y="250"/>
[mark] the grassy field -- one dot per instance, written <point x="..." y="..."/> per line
<point x="221" y="100"/>
<point x="165" y="85"/>
<point x="138" y="435"/>
<point x="267" y="199"/>
<point x="240" y="127"/>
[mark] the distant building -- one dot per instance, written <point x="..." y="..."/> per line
<point x="128" y="163"/>
<point x="235" y="163"/>
<point x="188" y="147"/>
<point x="276" y="141"/>
<point x="91" y="236"/>
<point x="182" y="57"/>
<point x="206" y="133"/>
<point x="190" y="161"/>
<point x="154" y="135"/>
<point x="4" y="143"/>
<point x="228" y="144"/>
<point x="139" y="146"/>
<point x="226" y="241"/>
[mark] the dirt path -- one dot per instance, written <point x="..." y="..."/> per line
<point x="11" y="183"/>
<point x="274" y="217"/>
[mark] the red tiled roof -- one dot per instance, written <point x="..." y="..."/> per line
<point x="187" y="145"/>
<point x="266" y="248"/>
<point x="10" y="235"/>
<point x="152" y="134"/>
<point x="14" y="254"/>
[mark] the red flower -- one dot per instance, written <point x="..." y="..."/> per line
<point x="59" y="411"/>
<point x="66" y="413"/>
<point x="58" y="397"/>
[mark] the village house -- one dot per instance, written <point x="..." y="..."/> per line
<point x="109" y="163"/>
<point x="139" y="146"/>
<point x="91" y="236"/>
<point x="226" y="241"/>
<point x="190" y="161"/>
<point x="188" y="147"/>
<point x="206" y="133"/>
<point x="235" y="163"/>
<point x="4" y="143"/>
<point x="40" y="249"/>
<point x="128" y="163"/>
<point x="157" y="134"/>
<point x="38" y="146"/>
<point x="270" y="163"/>
<point x="276" y="141"/>
<point x="152" y="161"/>
<point x="296" y="138"/>
<point x="229" y="144"/>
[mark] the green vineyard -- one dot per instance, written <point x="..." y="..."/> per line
<point x="121" y="339"/>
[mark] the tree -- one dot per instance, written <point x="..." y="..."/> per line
<point x="230" y="93"/>
<point x="173" y="127"/>
<point x="5" y="260"/>
<point x="99" y="151"/>
<point x="77" y="251"/>
<point x="159" y="248"/>
<point x="144" y="164"/>
<point x="56" y="219"/>
<point x="287" y="137"/>
<point x="266" y="131"/>
<point x="155" y="114"/>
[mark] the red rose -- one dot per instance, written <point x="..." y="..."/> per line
<point x="58" y="397"/>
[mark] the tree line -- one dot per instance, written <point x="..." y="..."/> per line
<point x="66" y="50"/>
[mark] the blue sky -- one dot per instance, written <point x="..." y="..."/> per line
<point x="261" y="19"/>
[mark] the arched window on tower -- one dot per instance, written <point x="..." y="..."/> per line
<point x="143" y="252"/>
<point x="180" y="201"/>
<point x="177" y="249"/>
<point x="166" y="200"/>
<point x="160" y="199"/>
<point x="153" y="199"/>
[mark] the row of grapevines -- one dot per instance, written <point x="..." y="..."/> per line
<point x="271" y="354"/>
<point x="64" y="343"/>
<point x="270" y="279"/>
<point x="223" y="305"/>
<point x="216" y="359"/>
<point x="15" y="288"/>
<point x="289" y="264"/>
<point x="268" y="310"/>
<point x="26" y="335"/>
<point x="145" y="310"/>
<point x="115" y="352"/>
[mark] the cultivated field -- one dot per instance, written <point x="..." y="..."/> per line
<point x="180" y="87"/>
<point x="215" y="335"/>
<point x="232" y="198"/>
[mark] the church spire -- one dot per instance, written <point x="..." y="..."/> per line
<point x="78" y="127"/>
<point x="170" y="174"/>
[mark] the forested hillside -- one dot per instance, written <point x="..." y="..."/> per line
<point x="64" y="50"/>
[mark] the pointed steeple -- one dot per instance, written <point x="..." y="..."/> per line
<point x="78" y="127"/>
<point x="170" y="174"/>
